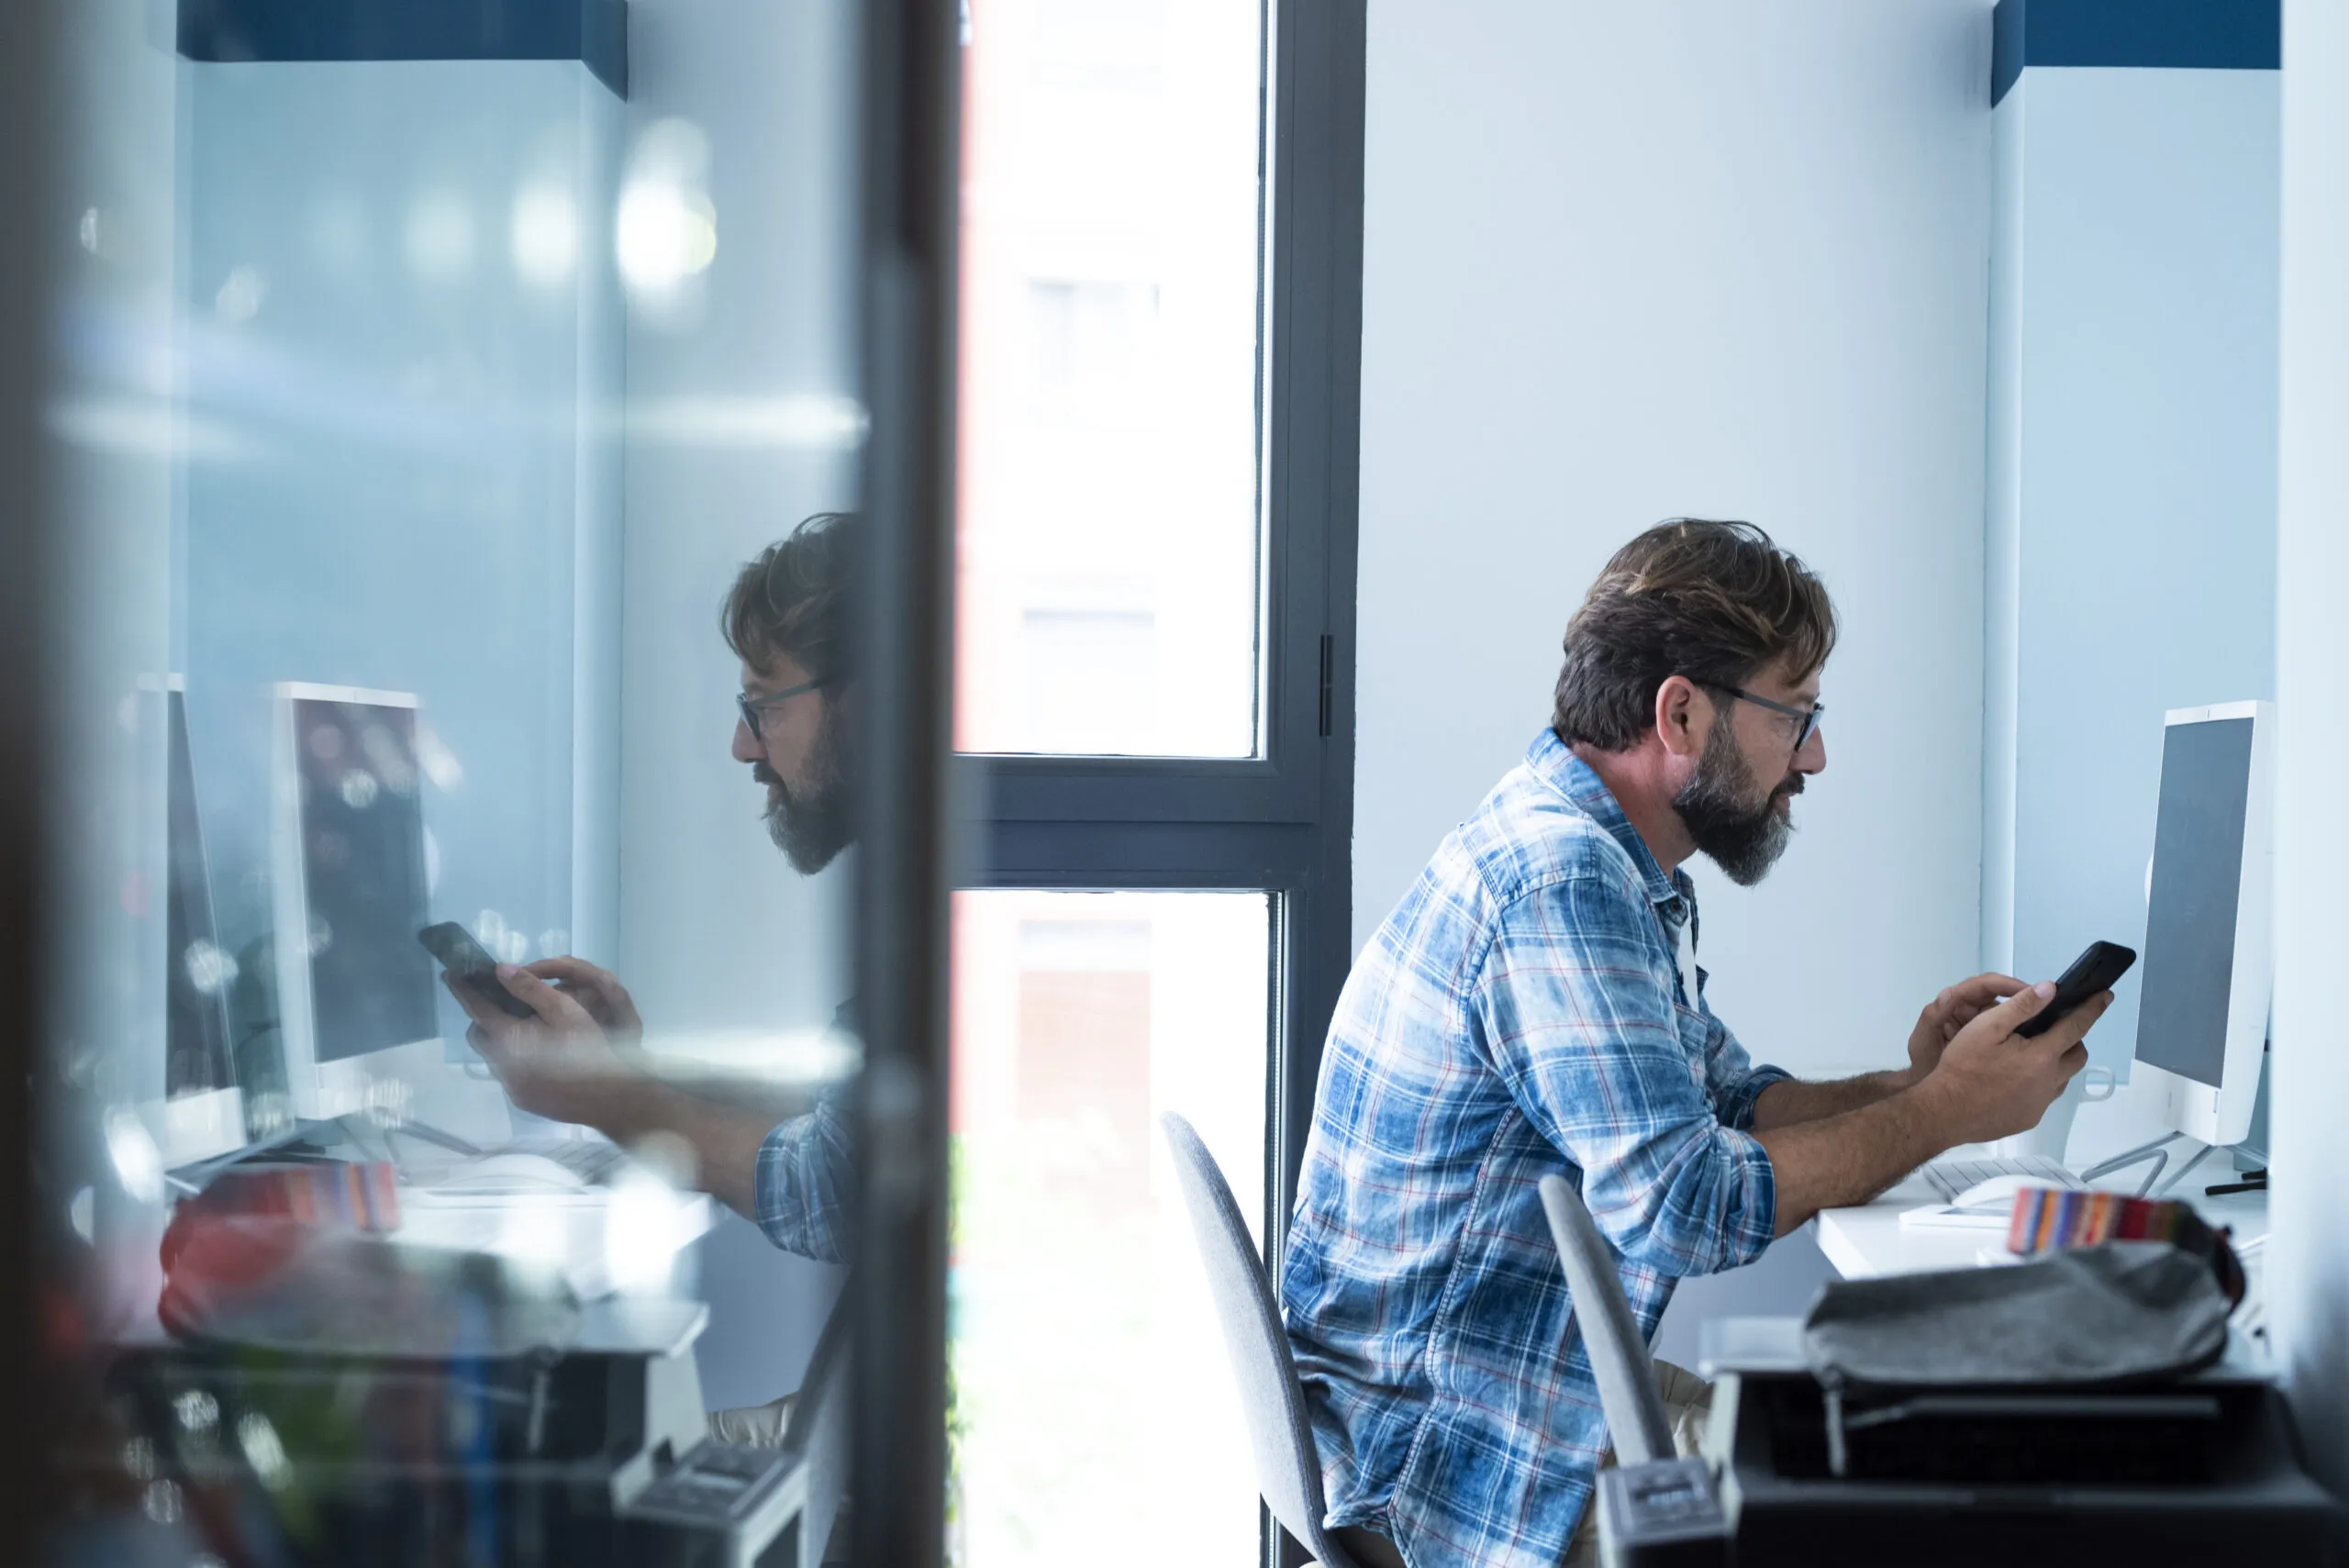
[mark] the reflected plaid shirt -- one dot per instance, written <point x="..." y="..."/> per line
<point x="806" y="1178"/>
<point x="803" y="1182"/>
<point x="1521" y="1012"/>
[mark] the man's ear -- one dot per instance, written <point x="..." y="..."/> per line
<point x="1684" y="715"/>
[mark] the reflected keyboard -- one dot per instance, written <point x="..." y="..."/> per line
<point x="1951" y="1176"/>
<point x="592" y="1160"/>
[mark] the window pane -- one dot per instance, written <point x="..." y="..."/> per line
<point x="1109" y="541"/>
<point x="1093" y="1402"/>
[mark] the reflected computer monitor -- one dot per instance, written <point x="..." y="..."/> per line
<point x="202" y="1113"/>
<point x="349" y="892"/>
<point x="2209" y="970"/>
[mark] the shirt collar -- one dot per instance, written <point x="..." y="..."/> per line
<point x="1555" y="764"/>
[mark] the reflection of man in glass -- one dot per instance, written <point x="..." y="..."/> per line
<point x="787" y="619"/>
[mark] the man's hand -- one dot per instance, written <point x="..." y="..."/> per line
<point x="599" y="991"/>
<point x="1992" y="1082"/>
<point x="1955" y="1007"/>
<point x="1986" y="1081"/>
<point x="560" y="1063"/>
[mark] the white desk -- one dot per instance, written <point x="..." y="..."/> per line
<point x="1865" y="1242"/>
<point x="601" y="1240"/>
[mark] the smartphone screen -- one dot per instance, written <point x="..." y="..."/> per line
<point x="469" y="963"/>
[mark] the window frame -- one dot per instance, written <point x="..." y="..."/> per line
<point x="1281" y="822"/>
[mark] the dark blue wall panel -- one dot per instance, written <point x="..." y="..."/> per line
<point x="2209" y="35"/>
<point x="594" y="32"/>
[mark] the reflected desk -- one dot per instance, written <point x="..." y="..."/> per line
<point x="601" y="1240"/>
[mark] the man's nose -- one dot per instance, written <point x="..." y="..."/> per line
<point x="1812" y="757"/>
<point x="746" y="745"/>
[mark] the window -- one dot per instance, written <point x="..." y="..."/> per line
<point x="1160" y="314"/>
<point x="1078" y="1019"/>
<point x="1111" y="248"/>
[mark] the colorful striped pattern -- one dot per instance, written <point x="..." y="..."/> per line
<point x="357" y="1196"/>
<point x="2047" y="1220"/>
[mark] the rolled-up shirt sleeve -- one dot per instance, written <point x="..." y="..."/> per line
<point x="806" y="1182"/>
<point x="1732" y="1080"/>
<point x="1576" y="1000"/>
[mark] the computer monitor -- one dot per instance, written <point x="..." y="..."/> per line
<point x="357" y="1001"/>
<point x="2208" y="966"/>
<point x="202" y="1113"/>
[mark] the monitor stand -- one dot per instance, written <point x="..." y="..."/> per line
<point x="2251" y="1179"/>
<point x="2251" y="1154"/>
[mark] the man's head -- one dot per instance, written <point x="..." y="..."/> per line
<point x="787" y="619"/>
<point x="1691" y="643"/>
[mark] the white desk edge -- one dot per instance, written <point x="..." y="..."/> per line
<point x="1869" y="1241"/>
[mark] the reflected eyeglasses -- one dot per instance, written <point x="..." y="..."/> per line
<point x="753" y="709"/>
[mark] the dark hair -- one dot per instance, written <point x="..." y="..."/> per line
<point x="794" y="599"/>
<point x="1717" y="602"/>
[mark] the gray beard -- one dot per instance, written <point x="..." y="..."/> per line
<point x="812" y="828"/>
<point x="810" y="833"/>
<point x="1745" y="841"/>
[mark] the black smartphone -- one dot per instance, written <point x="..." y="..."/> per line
<point x="468" y="964"/>
<point x="2092" y="972"/>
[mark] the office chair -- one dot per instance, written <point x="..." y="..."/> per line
<point x="1288" y="1471"/>
<point x="1652" y="1500"/>
<point x="819" y="1429"/>
<point x="1618" y="1356"/>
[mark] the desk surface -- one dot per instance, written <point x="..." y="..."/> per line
<point x="1870" y="1241"/>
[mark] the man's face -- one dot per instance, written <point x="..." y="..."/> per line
<point x="1738" y="805"/>
<point x="800" y="753"/>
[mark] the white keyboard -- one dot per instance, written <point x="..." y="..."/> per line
<point x="1951" y="1176"/>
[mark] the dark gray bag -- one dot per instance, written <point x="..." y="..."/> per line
<point x="2125" y="1312"/>
<point x="1894" y="1356"/>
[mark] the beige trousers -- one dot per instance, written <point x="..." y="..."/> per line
<point x="1687" y="1404"/>
<point x="756" y="1426"/>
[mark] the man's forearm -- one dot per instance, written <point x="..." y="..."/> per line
<point x="1791" y="1101"/>
<point x="724" y="1139"/>
<point x="1833" y="1162"/>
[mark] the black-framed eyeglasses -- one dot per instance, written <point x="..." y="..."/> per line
<point x="752" y="709"/>
<point x="1808" y="718"/>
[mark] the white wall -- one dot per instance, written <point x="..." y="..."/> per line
<point x="1628" y="261"/>
<point x="728" y="446"/>
<point x="2309" y="1270"/>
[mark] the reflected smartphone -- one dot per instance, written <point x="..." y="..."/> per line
<point x="468" y="964"/>
<point x="2092" y="972"/>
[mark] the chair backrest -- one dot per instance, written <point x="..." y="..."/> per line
<point x="818" y="1427"/>
<point x="1618" y="1356"/>
<point x="1289" y="1472"/>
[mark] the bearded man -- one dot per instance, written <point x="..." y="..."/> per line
<point x="1534" y="1006"/>
<point x="787" y="619"/>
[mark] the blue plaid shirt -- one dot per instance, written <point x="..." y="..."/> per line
<point x="805" y="1181"/>
<point x="806" y="1178"/>
<point x="1521" y="1012"/>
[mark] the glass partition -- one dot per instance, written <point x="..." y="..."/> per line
<point x="449" y="1135"/>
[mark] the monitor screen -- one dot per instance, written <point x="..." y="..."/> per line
<point x="195" y="987"/>
<point x="2197" y="876"/>
<point x="363" y="873"/>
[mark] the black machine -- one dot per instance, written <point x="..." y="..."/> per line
<point x="2205" y="1469"/>
<point x="2095" y="969"/>
<point x="556" y="1458"/>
